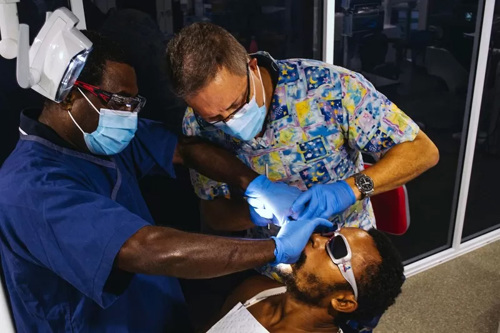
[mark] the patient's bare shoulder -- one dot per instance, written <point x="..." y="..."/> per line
<point x="248" y="289"/>
<point x="244" y="291"/>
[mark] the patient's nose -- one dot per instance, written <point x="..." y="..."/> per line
<point x="318" y="241"/>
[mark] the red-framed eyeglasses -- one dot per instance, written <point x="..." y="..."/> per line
<point x="114" y="101"/>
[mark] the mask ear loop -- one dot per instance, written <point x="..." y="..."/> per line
<point x="88" y="100"/>
<point x="262" y="85"/>
<point x="74" y="121"/>
<point x="253" y="83"/>
<point x="71" y="116"/>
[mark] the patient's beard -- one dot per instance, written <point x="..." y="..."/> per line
<point x="311" y="291"/>
<point x="300" y="262"/>
<point x="285" y="271"/>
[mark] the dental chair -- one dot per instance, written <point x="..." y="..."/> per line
<point x="392" y="211"/>
<point x="392" y="214"/>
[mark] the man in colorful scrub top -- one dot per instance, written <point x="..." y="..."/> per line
<point x="304" y="122"/>
<point x="299" y="121"/>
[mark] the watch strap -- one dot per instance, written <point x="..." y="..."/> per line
<point x="364" y="193"/>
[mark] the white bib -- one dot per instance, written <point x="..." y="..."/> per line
<point x="240" y="320"/>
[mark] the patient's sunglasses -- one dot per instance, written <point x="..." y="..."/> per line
<point x="339" y="251"/>
<point x="114" y="101"/>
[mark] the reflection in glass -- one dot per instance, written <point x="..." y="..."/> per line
<point x="419" y="54"/>
<point x="284" y="28"/>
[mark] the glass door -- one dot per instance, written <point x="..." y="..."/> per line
<point x="482" y="212"/>
<point x="420" y="54"/>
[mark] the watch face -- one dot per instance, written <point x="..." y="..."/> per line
<point x="364" y="183"/>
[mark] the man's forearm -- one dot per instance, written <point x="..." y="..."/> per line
<point x="401" y="164"/>
<point x="166" y="251"/>
<point x="223" y="214"/>
<point x="215" y="163"/>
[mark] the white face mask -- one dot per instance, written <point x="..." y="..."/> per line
<point x="248" y="121"/>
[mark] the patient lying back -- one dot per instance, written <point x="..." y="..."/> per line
<point x="318" y="293"/>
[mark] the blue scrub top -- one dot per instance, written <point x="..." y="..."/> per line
<point x="64" y="215"/>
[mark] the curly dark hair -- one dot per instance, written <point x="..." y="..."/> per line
<point x="103" y="49"/>
<point x="380" y="283"/>
<point x="198" y="52"/>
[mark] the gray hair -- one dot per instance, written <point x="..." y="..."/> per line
<point x="198" y="52"/>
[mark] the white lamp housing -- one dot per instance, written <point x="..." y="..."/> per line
<point x="56" y="57"/>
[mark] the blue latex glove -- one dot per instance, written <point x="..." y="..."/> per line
<point x="258" y="218"/>
<point x="271" y="200"/>
<point x="324" y="200"/>
<point x="293" y="237"/>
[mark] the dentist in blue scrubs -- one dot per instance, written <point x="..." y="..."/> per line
<point x="80" y="251"/>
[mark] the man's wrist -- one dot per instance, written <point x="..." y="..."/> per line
<point x="247" y="179"/>
<point x="354" y="188"/>
<point x="365" y="184"/>
<point x="256" y="184"/>
<point x="276" y="252"/>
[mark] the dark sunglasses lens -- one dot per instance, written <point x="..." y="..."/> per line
<point x="338" y="247"/>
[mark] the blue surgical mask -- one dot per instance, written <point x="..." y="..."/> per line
<point x="114" y="132"/>
<point x="247" y="122"/>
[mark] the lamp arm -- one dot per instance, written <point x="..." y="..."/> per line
<point x="26" y="77"/>
<point x="9" y="25"/>
<point x="79" y="11"/>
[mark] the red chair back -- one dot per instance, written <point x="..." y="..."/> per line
<point x="392" y="213"/>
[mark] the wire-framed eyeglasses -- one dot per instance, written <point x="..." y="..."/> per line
<point x="217" y="123"/>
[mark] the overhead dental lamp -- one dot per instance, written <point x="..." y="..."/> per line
<point x="55" y="59"/>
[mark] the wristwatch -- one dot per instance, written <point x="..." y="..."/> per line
<point x="364" y="184"/>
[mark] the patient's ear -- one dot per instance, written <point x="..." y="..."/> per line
<point x="344" y="302"/>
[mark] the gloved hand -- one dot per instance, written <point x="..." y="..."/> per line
<point x="260" y="218"/>
<point x="324" y="200"/>
<point x="293" y="237"/>
<point x="271" y="200"/>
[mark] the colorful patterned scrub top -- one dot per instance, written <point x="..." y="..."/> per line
<point x="321" y="118"/>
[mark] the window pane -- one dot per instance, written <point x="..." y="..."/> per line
<point x="483" y="212"/>
<point x="419" y="54"/>
<point x="284" y="28"/>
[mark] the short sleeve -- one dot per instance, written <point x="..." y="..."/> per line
<point x="190" y="126"/>
<point x="75" y="233"/>
<point x="375" y="124"/>
<point x="204" y="187"/>
<point x="152" y="149"/>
